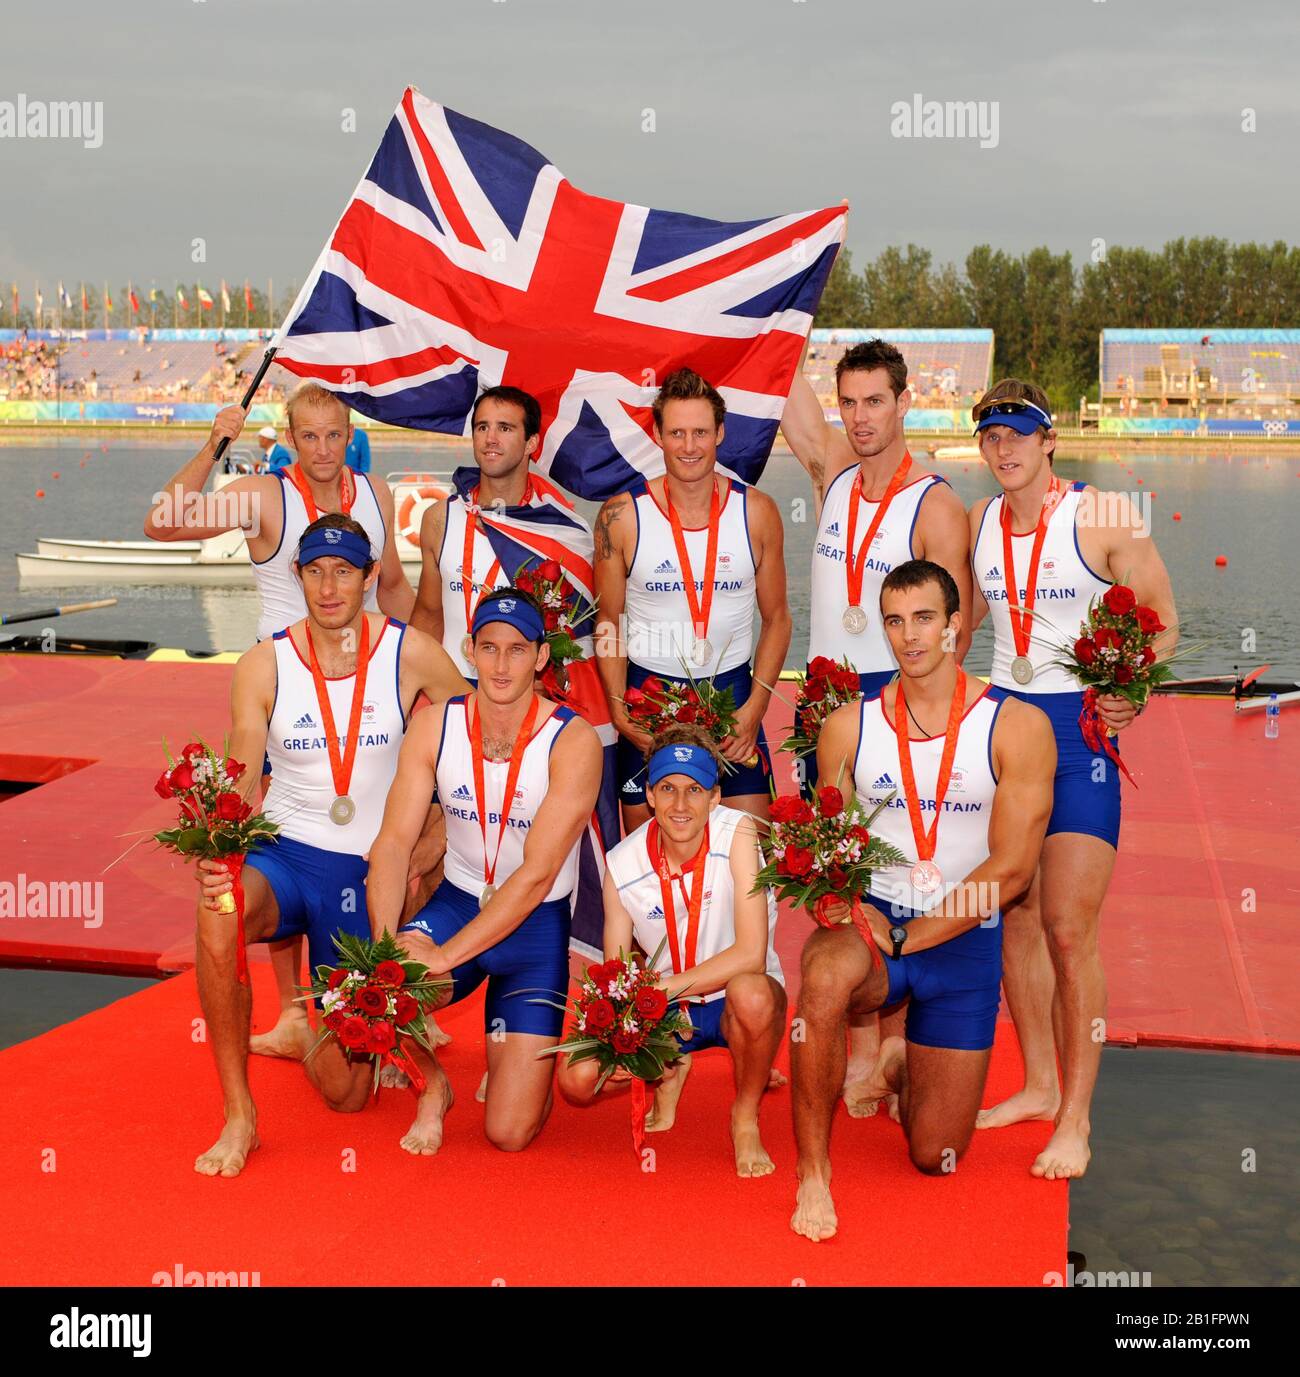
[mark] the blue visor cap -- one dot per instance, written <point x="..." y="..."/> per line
<point x="330" y="540"/>
<point x="1021" y="416"/>
<point x="516" y="612"/>
<point x="683" y="759"/>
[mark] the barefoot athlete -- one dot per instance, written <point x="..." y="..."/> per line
<point x="876" y="509"/>
<point x="517" y="776"/>
<point x="273" y="510"/>
<point x="688" y="558"/>
<point x="327" y="699"/>
<point x="971" y="784"/>
<point x="1068" y="543"/>
<point x="686" y="875"/>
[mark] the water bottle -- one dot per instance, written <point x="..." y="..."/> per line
<point x="1271" y="713"/>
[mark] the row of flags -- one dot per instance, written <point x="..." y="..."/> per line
<point x="155" y="298"/>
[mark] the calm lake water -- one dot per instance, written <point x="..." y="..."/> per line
<point x="1242" y="506"/>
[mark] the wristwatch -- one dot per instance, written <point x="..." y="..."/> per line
<point x="898" y="935"/>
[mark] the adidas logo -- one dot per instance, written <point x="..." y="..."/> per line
<point x="884" y="782"/>
<point x="994" y="573"/>
<point x="304" y="721"/>
<point x="631" y="787"/>
<point x="667" y="567"/>
<point x="462" y="792"/>
<point x="833" y="528"/>
<point x="656" y="914"/>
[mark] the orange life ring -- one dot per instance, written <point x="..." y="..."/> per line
<point x="411" y="513"/>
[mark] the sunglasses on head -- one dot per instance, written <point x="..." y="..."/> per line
<point x="1011" y="407"/>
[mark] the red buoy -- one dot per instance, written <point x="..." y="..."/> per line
<point x="1221" y="561"/>
<point x="40" y="492"/>
<point x="55" y="474"/>
<point x="1178" y="516"/>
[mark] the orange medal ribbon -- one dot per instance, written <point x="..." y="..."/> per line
<point x="512" y="778"/>
<point x="347" y="491"/>
<point x="927" y="841"/>
<point x="467" y="571"/>
<point x="694" y="897"/>
<point x="700" y="605"/>
<point x="341" y="762"/>
<point x="855" y="562"/>
<point x="1022" y="622"/>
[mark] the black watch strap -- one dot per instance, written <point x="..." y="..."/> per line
<point x="898" y="934"/>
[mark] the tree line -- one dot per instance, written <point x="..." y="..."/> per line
<point x="1046" y="314"/>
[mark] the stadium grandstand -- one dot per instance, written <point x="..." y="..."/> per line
<point x="946" y="371"/>
<point x="1200" y="380"/>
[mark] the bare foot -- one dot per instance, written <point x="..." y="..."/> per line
<point x="424" y="1137"/>
<point x="1065" y="1157"/>
<point x="863" y="1098"/>
<point x="481" y="1093"/>
<point x="663" y="1113"/>
<point x="776" y="1079"/>
<point x="437" y="1038"/>
<point x="1022" y="1106"/>
<point x="390" y="1078"/>
<point x="814" y="1210"/>
<point x="291" y="1037"/>
<point x="226" y="1157"/>
<point x="751" y="1155"/>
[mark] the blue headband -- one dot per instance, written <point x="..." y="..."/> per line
<point x="331" y="540"/>
<point x="1021" y="416"/>
<point x="683" y="759"/>
<point x="516" y="612"/>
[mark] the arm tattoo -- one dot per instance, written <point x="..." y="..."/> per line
<point x="604" y="542"/>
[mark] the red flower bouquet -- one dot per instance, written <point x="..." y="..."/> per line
<point x="1115" y="654"/>
<point x="661" y="703"/>
<point x="215" y="822"/>
<point x="373" y="999"/>
<point x="624" y="1022"/>
<point x="564" y="615"/>
<point x="816" y="854"/>
<point x="827" y="685"/>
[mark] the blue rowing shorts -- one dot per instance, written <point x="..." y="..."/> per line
<point x="737" y="780"/>
<point x="527" y="964"/>
<point x="317" y="892"/>
<point x="953" y="988"/>
<point x="706" y="1019"/>
<point x="1086" y="795"/>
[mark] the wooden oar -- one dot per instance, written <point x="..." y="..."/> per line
<point x="44" y="612"/>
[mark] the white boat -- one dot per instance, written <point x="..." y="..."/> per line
<point x="955" y="452"/>
<point x="221" y="561"/>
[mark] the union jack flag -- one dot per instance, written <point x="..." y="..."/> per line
<point x="465" y="259"/>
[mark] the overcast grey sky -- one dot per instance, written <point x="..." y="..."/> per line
<point x="1120" y="119"/>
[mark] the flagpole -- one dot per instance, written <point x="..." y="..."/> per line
<point x="270" y="300"/>
<point x="248" y="399"/>
<point x="176" y="308"/>
<point x="83" y="305"/>
<point x="246" y="291"/>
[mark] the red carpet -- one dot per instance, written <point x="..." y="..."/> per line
<point x="124" y="1100"/>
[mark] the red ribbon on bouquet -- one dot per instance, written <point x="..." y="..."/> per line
<point x="406" y="1065"/>
<point x="640" y="1101"/>
<point x="235" y="865"/>
<point x="1094" y="731"/>
<point x="820" y="915"/>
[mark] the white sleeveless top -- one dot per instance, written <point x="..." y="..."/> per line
<point x="450" y="558"/>
<point x="302" y="786"/>
<point x="641" y="895"/>
<point x="869" y="652"/>
<point x="1065" y="587"/>
<point x="281" y="593"/>
<point x="963" y="837"/>
<point x="455" y="778"/>
<point x="660" y="634"/>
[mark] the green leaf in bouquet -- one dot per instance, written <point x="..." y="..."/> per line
<point x="190" y="840"/>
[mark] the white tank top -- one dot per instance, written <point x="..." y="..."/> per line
<point x="641" y="895"/>
<point x="963" y="837"/>
<point x="1065" y="587"/>
<point x="281" y="593"/>
<point x="869" y="652"/>
<point x="660" y="634"/>
<point x="302" y="786"/>
<point x="450" y="558"/>
<point x="455" y="777"/>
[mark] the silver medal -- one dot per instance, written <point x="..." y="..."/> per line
<point x="855" y="620"/>
<point x="925" y="877"/>
<point x="488" y="892"/>
<point x="701" y="651"/>
<point x="342" y="810"/>
<point x="467" y="649"/>
<point x="1022" y="669"/>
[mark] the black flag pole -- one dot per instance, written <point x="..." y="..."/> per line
<point x="267" y="359"/>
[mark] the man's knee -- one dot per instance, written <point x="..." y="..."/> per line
<point x="932" y="1157"/>
<point x="351" y="1100"/>
<point x="1072" y="939"/>
<point x="753" y="1001"/>
<point x="511" y="1136"/>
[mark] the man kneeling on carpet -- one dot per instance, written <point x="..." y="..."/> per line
<point x="679" y="887"/>
<point x="327" y="700"/>
<point x="966" y="784"/>
<point x="517" y="777"/>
